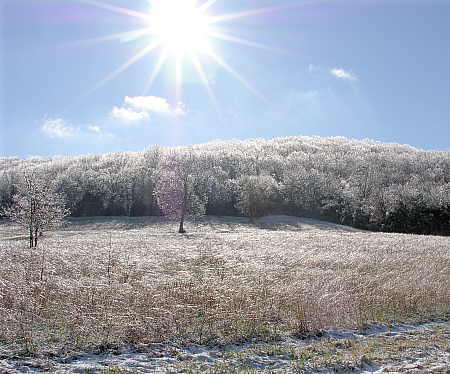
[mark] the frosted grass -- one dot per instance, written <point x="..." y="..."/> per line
<point x="106" y="283"/>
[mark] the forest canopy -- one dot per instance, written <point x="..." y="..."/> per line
<point x="366" y="184"/>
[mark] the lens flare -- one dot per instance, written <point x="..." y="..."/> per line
<point x="182" y="30"/>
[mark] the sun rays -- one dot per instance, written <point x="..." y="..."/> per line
<point x="181" y="31"/>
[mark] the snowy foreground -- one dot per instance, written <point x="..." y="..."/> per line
<point x="279" y="295"/>
<point x="380" y="348"/>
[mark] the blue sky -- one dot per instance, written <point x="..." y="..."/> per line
<point x="376" y="69"/>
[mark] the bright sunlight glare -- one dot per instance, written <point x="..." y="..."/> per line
<point x="180" y="26"/>
<point x="181" y="30"/>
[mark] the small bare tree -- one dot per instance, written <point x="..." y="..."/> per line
<point x="36" y="206"/>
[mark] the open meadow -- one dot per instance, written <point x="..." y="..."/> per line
<point x="107" y="284"/>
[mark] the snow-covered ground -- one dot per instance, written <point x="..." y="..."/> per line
<point x="422" y="348"/>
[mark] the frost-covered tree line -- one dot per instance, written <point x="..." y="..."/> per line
<point x="366" y="184"/>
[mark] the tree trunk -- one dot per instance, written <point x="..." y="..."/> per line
<point x="181" y="230"/>
<point x="31" y="238"/>
<point x="36" y="237"/>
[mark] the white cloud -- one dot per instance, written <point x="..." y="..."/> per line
<point x="343" y="74"/>
<point x="58" y="128"/>
<point x="99" y="131"/>
<point x="149" y="104"/>
<point x="128" y="115"/>
<point x="180" y="110"/>
<point x="94" y="128"/>
<point x="141" y="107"/>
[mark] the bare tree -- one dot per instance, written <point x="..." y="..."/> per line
<point x="179" y="191"/>
<point x="36" y="206"/>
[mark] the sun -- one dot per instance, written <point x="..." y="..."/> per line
<point x="181" y="27"/>
<point x="181" y="30"/>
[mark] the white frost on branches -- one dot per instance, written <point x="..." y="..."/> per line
<point x="36" y="206"/>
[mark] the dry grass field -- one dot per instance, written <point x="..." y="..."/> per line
<point x="107" y="283"/>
